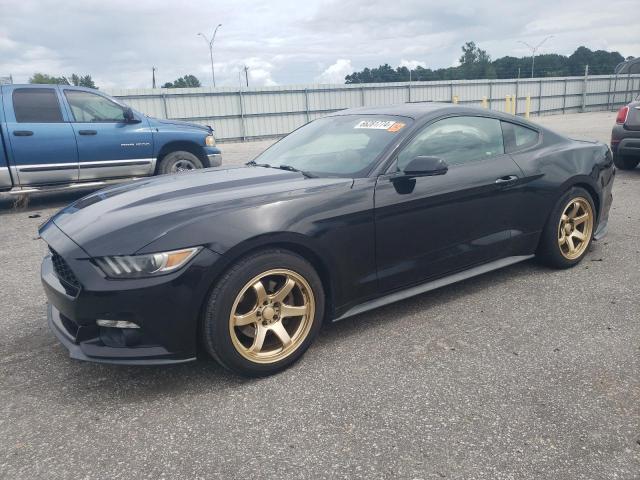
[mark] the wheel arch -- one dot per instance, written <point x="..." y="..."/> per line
<point x="295" y="243"/>
<point x="182" y="145"/>
<point x="589" y="184"/>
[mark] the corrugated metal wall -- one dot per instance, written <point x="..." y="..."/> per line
<point x="239" y="114"/>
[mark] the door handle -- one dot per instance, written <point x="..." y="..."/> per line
<point x="507" y="181"/>
<point x="88" y="132"/>
<point x="22" y="133"/>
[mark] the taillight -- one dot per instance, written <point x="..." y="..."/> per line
<point x="622" y="115"/>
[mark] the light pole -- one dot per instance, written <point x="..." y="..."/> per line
<point x="210" y="44"/>
<point x="534" y="50"/>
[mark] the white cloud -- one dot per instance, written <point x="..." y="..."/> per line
<point x="284" y="41"/>
<point x="412" y="64"/>
<point x="336" y="72"/>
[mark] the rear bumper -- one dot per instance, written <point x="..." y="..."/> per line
<point x="629" y="147"/>
<point x="625" y="142"/>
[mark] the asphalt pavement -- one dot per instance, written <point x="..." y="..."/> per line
<point x="523" y="373"/>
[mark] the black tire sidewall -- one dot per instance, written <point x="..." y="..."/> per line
<point x="549" y="250"/>
<point x="170" y="159"/>
<point x="215" y="322"/>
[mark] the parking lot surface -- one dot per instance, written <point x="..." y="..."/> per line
<point x="521" y="373"/>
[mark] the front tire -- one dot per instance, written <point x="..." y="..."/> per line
<point x="569" y="230"/>
<point x="178" y="162"/>
<point x="625" y="162"/>
<point x="263" y="313"/>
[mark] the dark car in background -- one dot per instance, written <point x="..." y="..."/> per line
<point x="625" y="136"/>
<point x="350" y="212"/>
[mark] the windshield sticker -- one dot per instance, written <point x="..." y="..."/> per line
<point x="395" y="127"/>
<point x="375" y="124"/>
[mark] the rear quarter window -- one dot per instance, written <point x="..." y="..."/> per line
<point x="525" y="137"/>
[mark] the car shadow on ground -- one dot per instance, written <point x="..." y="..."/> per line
<point x="96" y="384"/>
<point x="12" y="203"/>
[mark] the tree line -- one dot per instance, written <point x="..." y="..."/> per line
<point x="476" y="63"/>
<point x="188" y="81"/>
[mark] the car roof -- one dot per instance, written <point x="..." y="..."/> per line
<point x="425" y="110"/>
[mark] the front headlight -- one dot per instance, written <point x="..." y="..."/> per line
<point x="132" y="266"/>
<point x="210" y="141"/>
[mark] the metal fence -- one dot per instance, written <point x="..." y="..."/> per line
<point x="254" y="113"/>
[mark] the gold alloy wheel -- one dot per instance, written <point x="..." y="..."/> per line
<point x="271" y="316"/>
<point x="575" y="228"/>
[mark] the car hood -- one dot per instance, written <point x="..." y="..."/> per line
<point x="123" y="219"/>
<point x="179" y="123"/>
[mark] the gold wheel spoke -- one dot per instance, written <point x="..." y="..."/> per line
<point x="281" y="333"/>
<point x="261" y="293"/>
<point x="581" y="219"/>
<point x="574" y="210"/>
<point x="292" y="311"/>
<point x="578" y="234"/>
<point x="281" y="294"/>
<point x="261" y="332"/>
<point x="246" y="319"/>
<point x="571" y="245"/>
<point x="562" y="240"/>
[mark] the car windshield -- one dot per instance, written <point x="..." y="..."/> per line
<point x="344" y="146"/>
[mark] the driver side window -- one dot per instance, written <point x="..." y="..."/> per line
<point x="89" y="107"/>
<point x="457" y="140"/>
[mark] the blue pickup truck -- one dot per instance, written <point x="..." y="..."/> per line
<point x="58" y="136"/>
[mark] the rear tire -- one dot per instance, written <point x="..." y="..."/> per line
<point x="264" y="313"/>
<point x="569" y="230"/>
<point x="178" y="162"/>
<point x="625" y="162"/>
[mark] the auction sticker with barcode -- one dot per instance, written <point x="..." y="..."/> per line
<point x="375" y="124"/>
<point x="388" y="125"/>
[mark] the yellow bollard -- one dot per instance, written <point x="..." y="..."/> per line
<point x="455" y="99"/>
<point x="507" y="104"/>
<point x="484" y="103"/>
<point x="527" y="107"/>
<point x="513" y="105"/>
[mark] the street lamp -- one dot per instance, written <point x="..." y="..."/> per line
<point x="534" y="50"/>
<point x="210" y="44"/>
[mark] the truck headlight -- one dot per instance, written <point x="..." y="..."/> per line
<point x="210" y="141"/>
<point x="134" y="266"/>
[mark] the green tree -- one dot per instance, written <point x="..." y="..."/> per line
<point x="74" y="79"/>
<point x="83" y="81"/>
<point x="188" y="81"/>
<point x="48" y="79"/>
<point x="476" y="63"/>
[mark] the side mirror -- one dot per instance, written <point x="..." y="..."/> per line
<point x="423" y="166"/>
<point x="128" y="115"/>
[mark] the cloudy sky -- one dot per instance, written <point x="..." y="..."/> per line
<point x="289" y="41"/>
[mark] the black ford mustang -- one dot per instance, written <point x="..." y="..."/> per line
<point x="352" y="211"/>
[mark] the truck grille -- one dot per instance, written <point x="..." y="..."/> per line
<point x="62" y="270"/>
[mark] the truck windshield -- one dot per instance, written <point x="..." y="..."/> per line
<point x="344" y="146"/>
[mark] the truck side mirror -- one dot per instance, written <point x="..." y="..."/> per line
<point x="128" y="115"/>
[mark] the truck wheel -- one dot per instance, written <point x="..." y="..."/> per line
<point x="625" y="162"/>
<point x="263" y="313"/>
<point x="177" y="162"/>
<point x="566" y="238"/>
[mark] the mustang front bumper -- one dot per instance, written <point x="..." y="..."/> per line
<point x="165" y="308"/>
